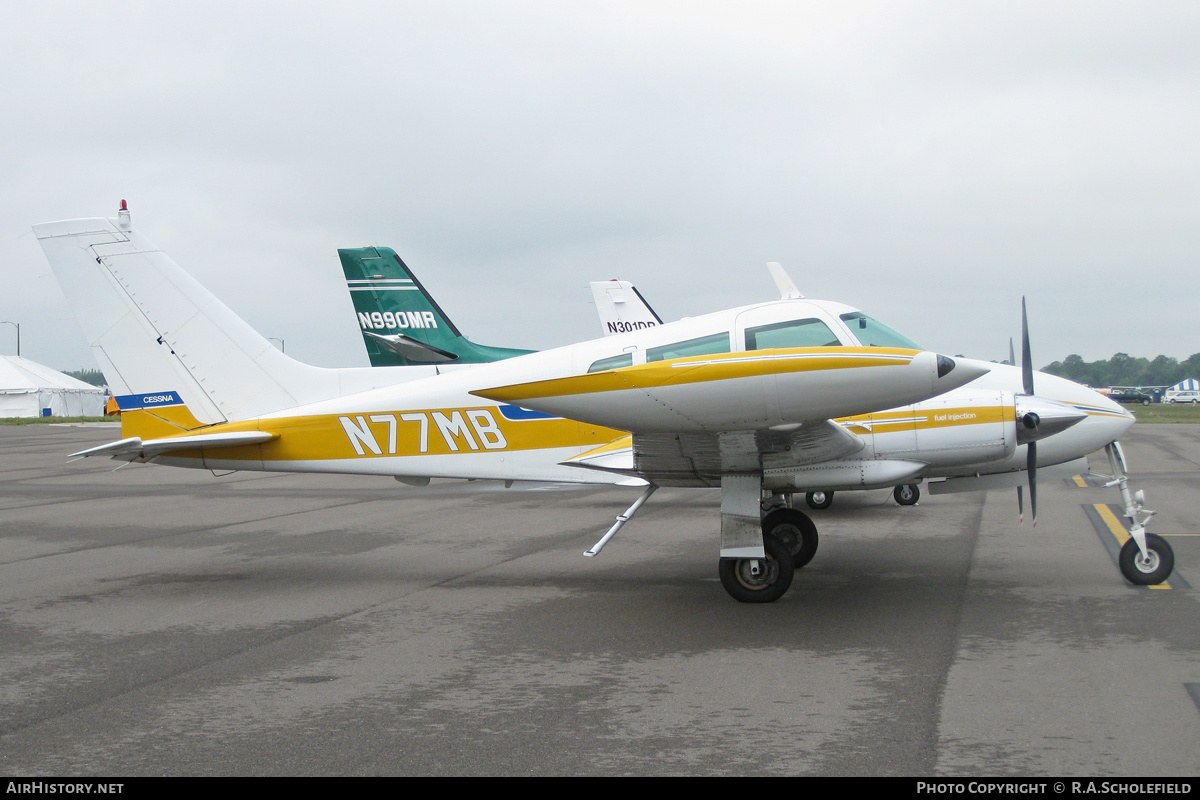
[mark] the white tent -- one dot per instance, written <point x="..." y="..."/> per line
<point x="1186" y="385"/>
<point x="29" y="389"/>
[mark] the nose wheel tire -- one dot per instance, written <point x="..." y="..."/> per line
<point x="907" y="494"/>
<point x="1149" y="571"/>
<point x="795" y="530"/>
<point x="819" y="500"/>
<point x="758" y="580"/>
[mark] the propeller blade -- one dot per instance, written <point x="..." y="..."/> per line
<point x="1026" y="358"/>
<point x="1012" y="357"/>
<point x="1021" y="503"/>
<point x="1031" y="467"/>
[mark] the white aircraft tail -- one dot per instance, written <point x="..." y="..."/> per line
<point x="162" y="339"/>
<point x="621" y="307"/>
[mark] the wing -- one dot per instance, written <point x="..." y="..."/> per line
<point x="816" y="454"/>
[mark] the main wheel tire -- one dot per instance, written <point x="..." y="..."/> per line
<point x="819" y="500"/>
<point x="773" y="578"/>
<point x="795" y="530"/>
<point x="907" y="494"/>
<point x="1151" y="571"/>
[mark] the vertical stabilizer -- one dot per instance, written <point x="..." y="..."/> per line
<point x="165" y="342"/>
<point x="621" y="307"/>
<point x="401" y="323"/>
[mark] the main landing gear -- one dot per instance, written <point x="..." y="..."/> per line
<point x="759" y="580"/>
<point x="789" y="542"/>
<point x="819" y="500"/>
<point x="906" y="495"/>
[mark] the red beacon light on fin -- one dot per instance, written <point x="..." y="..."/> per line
<point x="123" y="216"/>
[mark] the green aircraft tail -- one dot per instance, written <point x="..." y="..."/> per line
<point x="401" y="324"/>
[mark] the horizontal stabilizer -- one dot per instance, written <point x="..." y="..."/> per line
<point x="149" y="448"/>
<point x="411" y="349"/>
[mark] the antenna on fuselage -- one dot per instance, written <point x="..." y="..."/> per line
<point x="787" y="288"/>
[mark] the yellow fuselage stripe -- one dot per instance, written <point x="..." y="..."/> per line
<point x="908" y="419"/>
<point x="445" y="431"/>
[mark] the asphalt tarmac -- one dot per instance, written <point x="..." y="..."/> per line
<point x="158" y="621"/>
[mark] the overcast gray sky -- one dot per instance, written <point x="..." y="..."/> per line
<point x="928" y="162"/>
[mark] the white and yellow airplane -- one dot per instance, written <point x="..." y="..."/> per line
<point x="1145" y="559"/>
<point x="743" y="399"/>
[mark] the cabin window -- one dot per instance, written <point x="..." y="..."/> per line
<point x="791" y="333"/>
<point x="873" y="333"/>
<point x="705" y="345"/>
<point x="615" y="362"/>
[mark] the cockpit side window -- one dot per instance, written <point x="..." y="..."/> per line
<point x="615" y="362"/>
<point x="791" y="333"/>
<point x="705" y="345"/>
<point x="873" y="333"/>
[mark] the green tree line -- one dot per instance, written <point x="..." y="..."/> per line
<point x="93" y="376"/>
<point x="1125" y="370"/>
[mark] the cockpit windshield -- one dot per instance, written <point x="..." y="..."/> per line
<point x="873" y="333"/>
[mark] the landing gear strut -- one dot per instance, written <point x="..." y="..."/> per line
<point x="1146" y="559"/>
<point x="788" y="539"/>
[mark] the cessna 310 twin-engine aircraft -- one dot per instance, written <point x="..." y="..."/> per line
<point x="742" y="399"/>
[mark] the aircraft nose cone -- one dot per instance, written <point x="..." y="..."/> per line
<point x="952" y="373"/>
<point x="1038" y="418"/>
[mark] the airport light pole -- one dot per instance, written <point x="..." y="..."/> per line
<point x="18" y="327"/>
